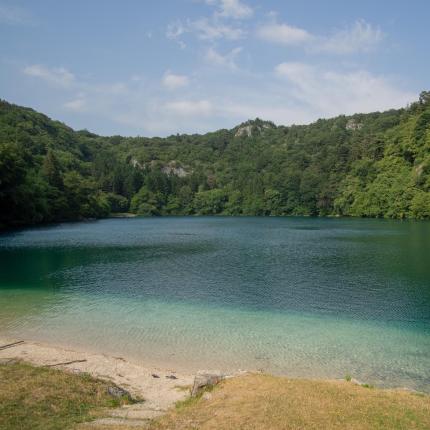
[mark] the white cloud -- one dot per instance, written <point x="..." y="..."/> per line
<point x="232" y="9"/>
<point x="207" y="29"/>
<point x="57" y="76"/>
<point x="175" y="30"/>
<point x="330" y="92"/>
<point x="211" y="30"/>
<point x="190" y="108"/>
<point x="294" y="71"/>
<point x="284" y="34"/>
<point x="295" y="92"/>
<point x="228" y="60"/>
<point x="361" y="37"/>
<point x="172" y="81"/>
<point x="77" y="105"/>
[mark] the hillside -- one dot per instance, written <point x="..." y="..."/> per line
<point x="370" y="165"/>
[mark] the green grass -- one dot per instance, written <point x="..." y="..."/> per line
<point x="39" y="398"/>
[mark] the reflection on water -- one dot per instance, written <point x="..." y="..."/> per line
<point x="306" y="297"/>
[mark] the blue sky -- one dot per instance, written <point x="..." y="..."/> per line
<point x="161" y="67"/>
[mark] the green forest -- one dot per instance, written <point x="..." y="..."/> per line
<point x="364" y="165"/>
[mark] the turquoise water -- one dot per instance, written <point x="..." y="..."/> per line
<point x="298" y="296"/>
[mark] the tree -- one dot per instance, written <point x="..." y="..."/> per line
<point x="51" y="170"/>
<point x="145" y="203"/>
<point x="210" y="202"/>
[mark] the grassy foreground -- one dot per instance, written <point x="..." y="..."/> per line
<point x="266" y="402"/>
<point x="39" y="398"/>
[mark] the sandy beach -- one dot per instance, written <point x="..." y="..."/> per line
<point x="160" y="388"/>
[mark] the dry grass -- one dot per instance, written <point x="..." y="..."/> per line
<point x="266" y="402"/>
<point x="39" y="398"/>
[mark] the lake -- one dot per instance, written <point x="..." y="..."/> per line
<point x="304" y="297"/>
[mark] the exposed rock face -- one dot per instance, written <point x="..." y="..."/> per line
<point x="136" y="164"/>
<point x="180" y="172"/>
<point x="352" y="124"/>
<point x="206" y="379"/>
<point x="172" y="168"/>
<point x="251" y="128"/>
<point x="246" y="130"/>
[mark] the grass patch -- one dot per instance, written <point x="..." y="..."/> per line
<point x="39" y="398"/>
<point x="367" y="386"/>
<point x="265" y="402"/>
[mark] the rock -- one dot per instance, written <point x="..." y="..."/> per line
<point x="171" y="377"/>
<point x="356" y="381"/>
<point x="352" y="124"/>
<point x="206" y="379"/>
<point x="118" y="392"/>
<point x="173" y="169"/>
<point x="245" y="130"/>
<point x="154" y="375"/>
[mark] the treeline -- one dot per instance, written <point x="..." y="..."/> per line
<point x="369" y="165"/>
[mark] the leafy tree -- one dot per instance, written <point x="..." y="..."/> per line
<point x="370" y="165"/>
<point x="210" y="202"/>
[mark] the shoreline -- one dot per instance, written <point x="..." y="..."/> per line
<point x="160" y="392"/>
<point x="164" y="399"/>
<point x="160" y="388"/>
<point x="168" y="386"/>
<point x="128" y="215"/>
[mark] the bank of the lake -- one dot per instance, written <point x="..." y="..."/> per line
<point x="62" y="388"/>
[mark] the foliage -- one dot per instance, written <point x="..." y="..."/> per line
<point x="369" y="165"/>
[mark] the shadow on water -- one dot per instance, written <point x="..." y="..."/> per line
<point x="42" y="267"/>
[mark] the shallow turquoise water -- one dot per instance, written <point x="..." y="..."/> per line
<point x="296" y="296"/>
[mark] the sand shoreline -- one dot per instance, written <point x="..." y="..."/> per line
<point x="265" y="399"/>
<point x="160" y="388"/>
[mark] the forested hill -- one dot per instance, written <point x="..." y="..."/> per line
<point x="372" y="165"/>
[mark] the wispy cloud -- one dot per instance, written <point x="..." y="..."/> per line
<point x="235" y="9"/>
<point x="57" y="75"/>
<point x="360" y="37"/>
<point x="172" y="81"/>
<point x="175" y="29"/>
<point x="211" y="30"/>
<point x="76" y="105"/>
<point x="227" y="60"/>
<point x="296" y="92"/>
<point x="284" y="34"/>
<point x="205" y="29"/>
<point x="333" y="92"/>
<point x="214" y="27"/>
